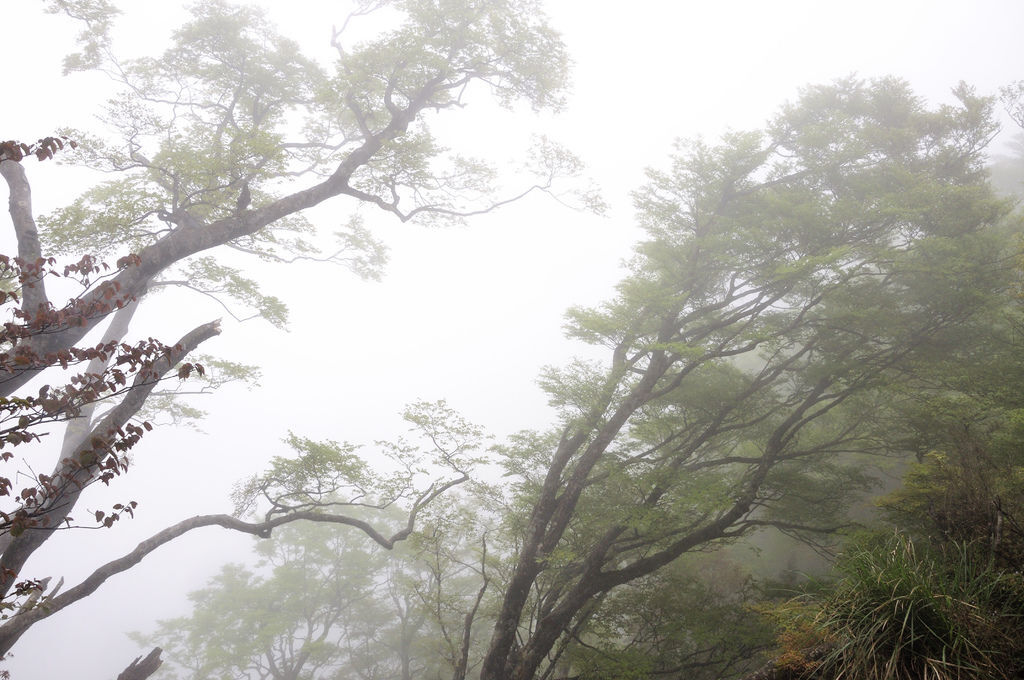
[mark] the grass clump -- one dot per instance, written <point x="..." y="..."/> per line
<point x="898" y="613"/>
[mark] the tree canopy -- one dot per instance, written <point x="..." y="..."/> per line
<point x="790" y="277"/>
<point x="800" y="290"/>
<point x="224" y="141"/>
<point x="810" y="298"/>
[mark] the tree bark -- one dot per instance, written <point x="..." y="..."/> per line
<point x="142" y="667"/>
<point x="33" y="292"/>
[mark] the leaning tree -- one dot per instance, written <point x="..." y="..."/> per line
<point x="798" y="286"/>
<point x="790" y="279"/>
<point x="224" y="141"/>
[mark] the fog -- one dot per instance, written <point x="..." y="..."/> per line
<point x="469" y="314"/>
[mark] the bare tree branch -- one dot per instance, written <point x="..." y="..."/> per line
<point x="13" y="629"/>
<point x="73" y="476"/>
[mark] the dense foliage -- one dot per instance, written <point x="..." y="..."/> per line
<point x="811" y="300"/>
<point x="793" y="280"/>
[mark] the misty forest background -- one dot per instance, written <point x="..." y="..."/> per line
<point x="780" y="438"/>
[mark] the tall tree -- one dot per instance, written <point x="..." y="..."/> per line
<point x="224" y="141"/>
<point x="796" y="284"/>
<point x="789" y="275"/>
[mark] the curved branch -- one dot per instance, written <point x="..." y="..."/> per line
<point x="11" y="631"/>
<point x="212" y="294"/>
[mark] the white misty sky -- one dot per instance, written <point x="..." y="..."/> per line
<point x="468" y="314"/>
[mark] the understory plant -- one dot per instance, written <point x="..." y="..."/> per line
<point x="902" y="611"/>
